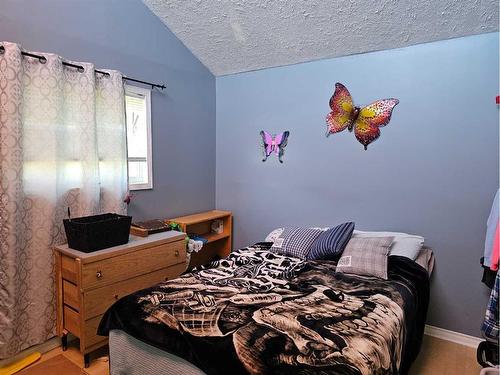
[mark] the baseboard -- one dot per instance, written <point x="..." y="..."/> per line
<point x="44" y="347"/>
<point x="452" y="336"/>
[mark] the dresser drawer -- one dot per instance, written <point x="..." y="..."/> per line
<point x="71" y="320"/>
<point x="68" y="268"/>
<point x="98" y="300"/>
<point x="70" y="295"/>
<point x="111" y="270"/>
<point x="91" y="337"/>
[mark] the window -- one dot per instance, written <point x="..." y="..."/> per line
<point x="138" y="109"/>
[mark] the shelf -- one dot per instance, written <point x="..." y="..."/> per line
<point x="218" y="245"/>
<point x="212" y="237"/>
<point x="201" y="217"/>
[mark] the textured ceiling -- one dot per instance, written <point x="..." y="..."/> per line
<point x="231" y="36"/>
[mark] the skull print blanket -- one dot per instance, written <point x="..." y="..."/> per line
<point x="257" y="312"/>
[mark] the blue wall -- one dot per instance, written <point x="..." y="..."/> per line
<point x="125" y="35"/>
<point x="433" y="172"/>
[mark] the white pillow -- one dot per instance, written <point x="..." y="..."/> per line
<point x="404" y="244"/>
<point x="271" y="237"/>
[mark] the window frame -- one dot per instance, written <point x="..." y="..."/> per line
<point x="146" y="93"/>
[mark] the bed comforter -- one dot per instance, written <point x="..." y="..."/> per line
<point x="257" y="312"/>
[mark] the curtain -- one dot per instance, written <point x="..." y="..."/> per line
<point x="62" y="145"/>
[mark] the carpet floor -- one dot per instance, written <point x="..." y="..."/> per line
<point x="437" y="357"/>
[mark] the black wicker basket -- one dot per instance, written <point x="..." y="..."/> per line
<point x="91" y="233"/>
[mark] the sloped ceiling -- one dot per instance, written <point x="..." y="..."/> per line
<point x="231" y="36"/>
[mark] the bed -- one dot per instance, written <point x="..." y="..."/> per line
<point x="257" y="312"/>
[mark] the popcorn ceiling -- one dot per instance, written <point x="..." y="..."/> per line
<point x="232" y="36"/>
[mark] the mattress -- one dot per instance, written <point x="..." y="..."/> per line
<point x="257" y="312"/>
<point x="425" y="258"/>
<point x="133" y="357"/>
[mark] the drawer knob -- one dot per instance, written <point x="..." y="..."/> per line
<point x="116" y="296"/>
<point x="98" y="274"/>
<point x="176" y="253"/>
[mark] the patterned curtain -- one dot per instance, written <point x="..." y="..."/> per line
<point x="62" y="144"/>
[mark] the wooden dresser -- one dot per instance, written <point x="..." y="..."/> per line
<point x="89" y="283"/>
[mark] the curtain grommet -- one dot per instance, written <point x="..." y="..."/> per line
<point x="42" y="60"/>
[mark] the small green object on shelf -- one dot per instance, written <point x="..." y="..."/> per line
<point x="174" y="226"/>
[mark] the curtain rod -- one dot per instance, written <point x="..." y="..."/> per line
<point x="81" y="69"/>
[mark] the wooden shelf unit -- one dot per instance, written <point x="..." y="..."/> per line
<point x="218" y="245"/>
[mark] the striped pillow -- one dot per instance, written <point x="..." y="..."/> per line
<point x="330" y="244"/>
<point x="295" y="242"/>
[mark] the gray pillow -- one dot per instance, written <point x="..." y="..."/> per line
<point x="366" y="256"/>
<point x="295" y="242"/>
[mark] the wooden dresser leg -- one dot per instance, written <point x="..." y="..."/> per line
<point x="64" y="342"/>
<point x="86" y="360"/>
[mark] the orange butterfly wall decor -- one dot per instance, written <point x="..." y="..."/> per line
<point x="366" y="121"/>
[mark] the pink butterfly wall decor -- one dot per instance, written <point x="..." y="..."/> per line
<point x="274" y="143"/>
<point x="366" y="121"/>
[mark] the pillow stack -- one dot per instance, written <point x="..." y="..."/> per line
<point x="311" y="243"/>
<point x="360" y="253"/>
<point x="404" y="244"/>
<point x="367" y="252"/>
